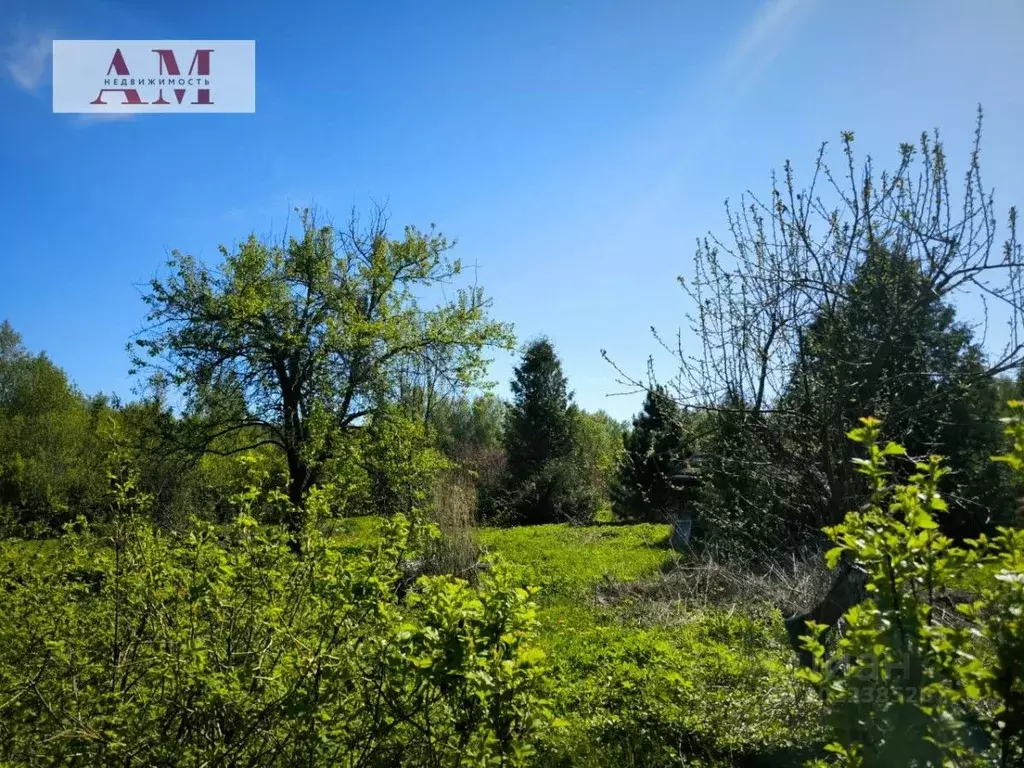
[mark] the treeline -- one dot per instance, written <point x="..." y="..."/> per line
<point x="56" y="443"/>
<point x="302" y="365"/>
<point x="313" y="363"/>
<point x="537" y="458"/>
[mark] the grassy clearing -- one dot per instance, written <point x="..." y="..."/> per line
<point x="649" y="678"/>
<point x="568" y="562"/>
<point x="356" y="533"/>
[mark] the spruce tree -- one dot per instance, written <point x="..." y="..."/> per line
<point x="544" y="481"/>
<point x="655" y="450"/>
<point x="539" y="426"/>
<point x="893" y="349"/>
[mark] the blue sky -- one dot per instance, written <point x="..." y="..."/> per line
<point x="575" y="149"/>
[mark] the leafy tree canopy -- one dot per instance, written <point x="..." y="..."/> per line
<point x="301" y="342"/>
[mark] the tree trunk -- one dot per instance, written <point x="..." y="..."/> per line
<point x="298" y="481"/>
<point x="848" y="589"/>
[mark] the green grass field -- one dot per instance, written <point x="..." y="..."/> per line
<point x="647" y="682"/>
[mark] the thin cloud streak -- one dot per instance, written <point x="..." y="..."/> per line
<point x="27" y="58"/>
<point x="749" y="58"/>
<point x="761" y="42"/>
<point x="676" y="142"/>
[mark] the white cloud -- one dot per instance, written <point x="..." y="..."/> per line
<point x="26" y="59"/>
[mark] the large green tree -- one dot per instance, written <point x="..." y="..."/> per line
<point x="893" y="348"/>
<point x="544" y="481"/>
<point x="539" y="422"/>
<point x="302" y="342"/>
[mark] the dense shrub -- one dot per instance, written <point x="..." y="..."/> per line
<point x="396" y="466"/>
<point x="135" y="646"/>
<point x="755" y="499"/>
<point x="597" y="449"/>
<point x="913" y="690"/>
<point x="559" y="492"/>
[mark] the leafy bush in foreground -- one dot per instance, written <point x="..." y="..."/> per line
<point x="914" y="691"/>
<point x="224" y="647"/>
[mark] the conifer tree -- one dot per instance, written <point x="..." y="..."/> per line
<point x="655" y="450"/>
<point x="539" y="426"/>
<point x="545" y="482"/>
<point x="894" y="349"/>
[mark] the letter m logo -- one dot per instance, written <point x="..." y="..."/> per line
<point x="200" y="67"/>
<point x="169" y="64"/>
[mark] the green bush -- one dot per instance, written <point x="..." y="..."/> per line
<point x="135" y="646"/>
<point x="559" y="491"/>
<point x="914" y="691"/>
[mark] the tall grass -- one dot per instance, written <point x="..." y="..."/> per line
<point x="453" y="510"/>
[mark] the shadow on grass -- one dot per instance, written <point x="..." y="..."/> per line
<point x="785" y="757"/>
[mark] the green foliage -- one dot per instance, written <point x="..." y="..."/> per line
<point x="915" y="691"/>
<point x="655" y="450"/>
<point x="184" y="485"/>
<point x="558" y="490"/>
<point x="714" y="690"/>
<point x="548" y="477"/>
<point x="746" y="499"/>
<point x="886" y="343"/>
<point x="824" y="302"/>
<point x="544" y="481"/>
<point x="51" y="443"/>
<point x="892" y="348"/>
<point x="400" y="463"/>
<point x="470" y="433"/>
<point x="538" y="426"/>
<point x="462" y="421"/>
<point x="128" y="645"/>
<point x="597" y="446"/>
<point x="294" y="345"/>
